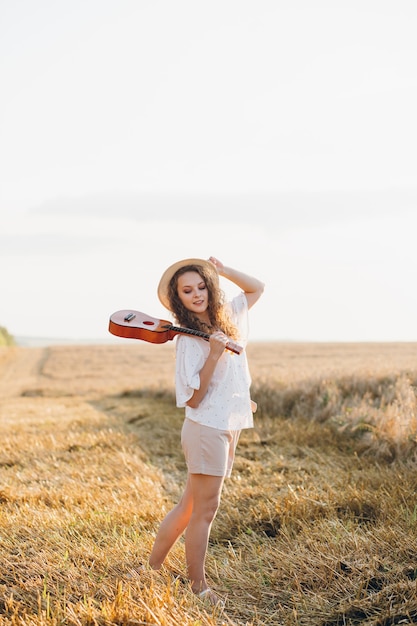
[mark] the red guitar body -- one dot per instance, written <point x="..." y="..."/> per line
<point x="137" y="325"/>
<point x="140" y="326"/>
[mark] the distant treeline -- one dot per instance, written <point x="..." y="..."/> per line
<point x="6" y="338"/>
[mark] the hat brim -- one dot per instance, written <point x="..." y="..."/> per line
<point x="172" y="269"/>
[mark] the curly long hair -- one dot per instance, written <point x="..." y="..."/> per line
<point x="219" y="320"/>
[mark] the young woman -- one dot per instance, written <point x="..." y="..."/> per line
<point x="212" y="383"/>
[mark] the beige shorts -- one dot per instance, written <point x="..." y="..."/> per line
<point x="208" y="450"/>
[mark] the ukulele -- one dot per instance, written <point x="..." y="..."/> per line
<point x="137" y="325"/>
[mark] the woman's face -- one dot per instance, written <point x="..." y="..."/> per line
<point x="193" y="293"/>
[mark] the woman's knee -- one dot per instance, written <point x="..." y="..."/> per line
<point x="185" y="506"/>
<point x="207" y="508"/>
<point x="206" y="495"/>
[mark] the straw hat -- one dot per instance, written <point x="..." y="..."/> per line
<point x="172" y="269"/>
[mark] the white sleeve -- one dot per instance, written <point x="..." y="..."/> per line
<point x="190" y="358"/>
<point x="239" y="312"/>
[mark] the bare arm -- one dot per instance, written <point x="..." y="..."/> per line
<point x="252" y="287"/>
<point x="218" y="342"/>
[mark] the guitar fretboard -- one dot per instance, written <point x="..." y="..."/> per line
<point x="187" y="331"/>
<point x="197" y="333"/>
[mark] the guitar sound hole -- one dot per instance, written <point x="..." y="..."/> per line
<point x="148" y="323"/>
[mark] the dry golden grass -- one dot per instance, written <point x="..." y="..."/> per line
<point x="318" y="524"/>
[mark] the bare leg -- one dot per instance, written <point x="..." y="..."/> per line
<point x="206" y="492"/>
<point x="172" y="527"/>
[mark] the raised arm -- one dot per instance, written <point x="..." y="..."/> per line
<point x="252" y="287"/>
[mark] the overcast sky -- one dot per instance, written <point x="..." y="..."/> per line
<point x="278" y="136"/>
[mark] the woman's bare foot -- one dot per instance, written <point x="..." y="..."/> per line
<point x="210" y="597"/>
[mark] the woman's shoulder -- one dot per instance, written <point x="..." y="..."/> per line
<point x="190" y="343"/>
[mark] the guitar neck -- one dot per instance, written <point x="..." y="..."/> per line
<point x="232" y="347"/>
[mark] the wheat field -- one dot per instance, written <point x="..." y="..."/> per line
<point x="317" y="526"/>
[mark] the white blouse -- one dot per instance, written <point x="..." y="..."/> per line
<point x="226" y="405"/>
